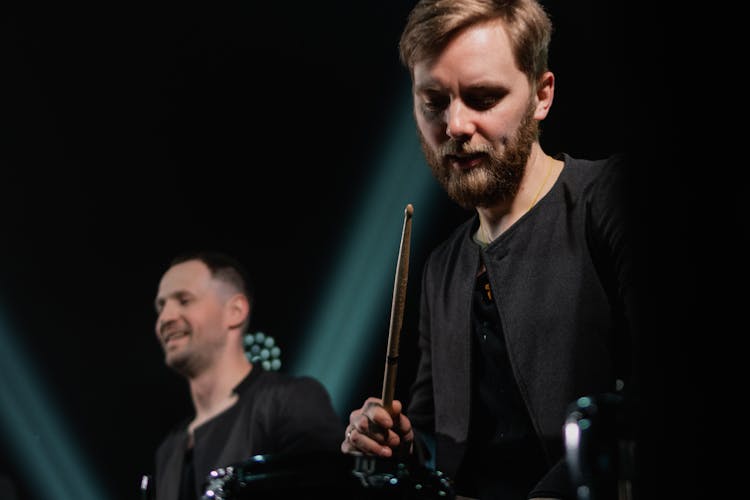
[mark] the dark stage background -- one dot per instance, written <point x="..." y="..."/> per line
<point x="133" y="132"/>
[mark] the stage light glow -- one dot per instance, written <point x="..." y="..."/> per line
<point x="262" y="349"/>
<point x="53" y="465"/>
<point x="357" y="299"/>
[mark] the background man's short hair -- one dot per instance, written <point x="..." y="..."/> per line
<point x="223" y="267"/>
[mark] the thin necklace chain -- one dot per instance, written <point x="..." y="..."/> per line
<point x="544" y="183"/>
<point x="551" y="162"/>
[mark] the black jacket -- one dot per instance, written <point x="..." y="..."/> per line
<point x="564" y="290"/>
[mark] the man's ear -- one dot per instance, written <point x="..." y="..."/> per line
<point x="545" y="92"/>
<point x="237" y="310"/>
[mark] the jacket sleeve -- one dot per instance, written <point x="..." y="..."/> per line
<point x="421" y="407"/>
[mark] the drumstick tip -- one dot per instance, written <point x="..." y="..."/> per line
<point x="409" y="210"/>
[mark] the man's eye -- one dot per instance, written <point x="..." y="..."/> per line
<point x="434" y="104"/>
<point x="184" y="302"/>
<point x="482" y="103"/>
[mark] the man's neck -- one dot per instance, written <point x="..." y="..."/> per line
<point x="212" y="390"/>
<point x="540" y="173"/>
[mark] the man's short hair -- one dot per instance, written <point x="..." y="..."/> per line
<point x="223" y="267"/>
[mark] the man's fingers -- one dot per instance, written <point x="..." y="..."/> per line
<point x="378" y="415"/>
<point x="374" y="430"/>
<point x="377" y="431"/>
<point x="405" y="428"/>
<point x="357" y="440"/>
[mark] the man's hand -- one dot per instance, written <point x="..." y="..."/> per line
<point x="373" y="431"/>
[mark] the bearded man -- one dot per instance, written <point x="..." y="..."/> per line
<point x="527" y="306"/>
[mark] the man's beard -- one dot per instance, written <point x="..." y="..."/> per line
<point x="182" y="362"/>
<point x="193" y="358"/>
<point x="497" y="177"/>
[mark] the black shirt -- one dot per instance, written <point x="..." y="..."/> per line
<point x="275" y="414"/>
<point x="504" y="458"/>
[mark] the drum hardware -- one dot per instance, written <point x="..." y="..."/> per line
<point x="599" y="449"/>
<point x="328" y="475"/>
<point x="147" y="488"/>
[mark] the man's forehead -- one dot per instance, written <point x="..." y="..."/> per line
<point x="191" y="275"/>
<point x="476" y="53"/>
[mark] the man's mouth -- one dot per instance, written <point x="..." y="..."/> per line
<point x="177" y="334"/>
<point x="465" y="161"/>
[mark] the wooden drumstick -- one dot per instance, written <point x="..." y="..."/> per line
<point x="397" y="312"/>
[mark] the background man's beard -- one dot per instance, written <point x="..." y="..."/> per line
<point x="183" y="364"/>
<point x="496" y="178"/>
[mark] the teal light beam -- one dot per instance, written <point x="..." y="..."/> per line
<point x="41" y="445"/>
<point x="359" y="294"/>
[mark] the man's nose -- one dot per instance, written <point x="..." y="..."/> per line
<point x="459" y="120"/>
<point x="167" y="315"/>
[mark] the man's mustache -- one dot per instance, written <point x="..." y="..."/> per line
<point x="453" y="147"/>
